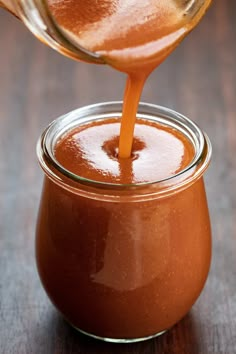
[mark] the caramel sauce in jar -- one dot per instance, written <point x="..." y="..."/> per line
<point x="123" y="245"/>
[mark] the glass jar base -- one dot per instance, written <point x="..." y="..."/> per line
<point x="119" y="340"/>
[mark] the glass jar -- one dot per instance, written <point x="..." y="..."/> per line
<point x="123" y="262"/>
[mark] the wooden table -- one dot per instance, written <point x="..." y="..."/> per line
<point x="37" y="85"/>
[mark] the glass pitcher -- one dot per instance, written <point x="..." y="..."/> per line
<point x="36" y="15"/>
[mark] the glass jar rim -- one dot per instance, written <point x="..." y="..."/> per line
<point x="56" y="172"/>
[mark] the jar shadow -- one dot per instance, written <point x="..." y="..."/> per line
<point x="182" y="338"/>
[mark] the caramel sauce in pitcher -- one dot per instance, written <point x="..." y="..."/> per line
<point x="132" y="36"/>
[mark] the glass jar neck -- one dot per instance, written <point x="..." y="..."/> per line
<point x="160" y="115"/>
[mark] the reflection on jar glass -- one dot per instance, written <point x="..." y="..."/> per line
<point x="123" y="262"/>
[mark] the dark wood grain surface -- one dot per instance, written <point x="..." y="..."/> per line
<point x="37" y="85"/>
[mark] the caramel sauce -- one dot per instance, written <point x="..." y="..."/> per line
<point x="132" y="36"/>
<point x="124" y="268"/>
<point x="91" y="151"/>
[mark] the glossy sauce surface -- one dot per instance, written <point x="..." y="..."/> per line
<point x="91" y="151"/>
